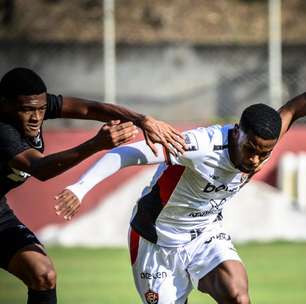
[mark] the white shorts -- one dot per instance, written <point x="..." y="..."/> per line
<point x="166" y="275"/>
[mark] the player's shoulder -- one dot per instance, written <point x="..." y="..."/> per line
<point x="7" y="128"/>
<point x="211" y="132"/>
<point x="207" y="137"/>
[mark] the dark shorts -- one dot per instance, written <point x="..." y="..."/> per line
<point x="12" y="240"/>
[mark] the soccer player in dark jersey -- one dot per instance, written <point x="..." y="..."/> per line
<point x="25" y="104"/>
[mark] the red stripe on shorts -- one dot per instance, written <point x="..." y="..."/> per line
<point x="168" y="181"/>
<point x="134" y="244"/>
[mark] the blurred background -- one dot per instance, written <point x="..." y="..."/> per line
<point x="191" y="63"/>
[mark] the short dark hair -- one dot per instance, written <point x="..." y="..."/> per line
<point x="262" y="120"/>
<point x="21" y="81"/>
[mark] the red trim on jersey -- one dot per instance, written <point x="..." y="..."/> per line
<point x="168" y="181"/>
<point x="166" y="155"/>
<point x="134" y="244"/>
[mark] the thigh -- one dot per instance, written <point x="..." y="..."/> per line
<point x="226" y="283"/>
<point x="207" y="252"/>
<point x="159" y="274"/>
<point x="13" y="239"/>
<point x="23" y="255"/>
<point x="31" y="264"/>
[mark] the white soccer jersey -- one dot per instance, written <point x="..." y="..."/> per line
<point x="187" y="196"/>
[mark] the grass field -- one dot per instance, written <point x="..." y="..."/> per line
<point x="277" y="275"/>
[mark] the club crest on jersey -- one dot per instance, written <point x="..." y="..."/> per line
<point x="151" y="297"/>
<point x="244" y="178"/>
<point x="37" y="142"/>
<point x="191" y="142"/>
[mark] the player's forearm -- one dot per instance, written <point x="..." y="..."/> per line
<point x="54" y="164"/>
<point x="100" y="111"/>
<point x="292" y="110"/>
<point x="134" y="154"/>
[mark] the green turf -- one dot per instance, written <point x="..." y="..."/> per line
<point x="277" y="274"/>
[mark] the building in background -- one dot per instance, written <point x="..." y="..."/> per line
<point x="199" y="60"/>
<point x="188" y="62"/>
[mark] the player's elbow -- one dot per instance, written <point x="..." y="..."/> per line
<point x="41" y="177"/>
<point x="42" y="173"/>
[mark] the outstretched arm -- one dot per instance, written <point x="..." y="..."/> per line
<point x="154" y="131"/>
<point x="69" y="200"/>
<point x="44" y="167"/>
<point x="291" y="111"/>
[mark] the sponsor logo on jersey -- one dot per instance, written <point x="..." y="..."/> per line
<point x="194" y="233"/>
<point x="30" y="236"/>
<point x="212" y="188"/>
<point x="214" y="177"/>
<point x="244" y="178"/>
<point x="18" y="176"/>
<point x="151" y="297"/>
<point x="191" y="142"/>
<point x="156" y="275"/>
<point x="215" y="207"/>
<point x="220" y="236"/>
<point x="36" y="142"/>
<point x="216" y="204"/>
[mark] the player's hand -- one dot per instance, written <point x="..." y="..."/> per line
<point x="114" y="133"/>
<point x="67" y="204"/>
<point x="156" y="131"/>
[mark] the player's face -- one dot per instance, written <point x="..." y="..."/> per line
<point x="252" y="151"/>
<point x="30" y="112"/>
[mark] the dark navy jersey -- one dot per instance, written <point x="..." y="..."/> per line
<point x="13" y="142"/>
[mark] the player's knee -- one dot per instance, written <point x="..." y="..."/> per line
<point x="238" y="295"/>
<point x="44" y="279"/>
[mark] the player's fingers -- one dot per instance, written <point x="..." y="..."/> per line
<point x="65" y="200"/>
<point x="123" y="140"/>
<point x="125" y="135"/>
<point x="69" y="215"/>
<point x="167" y="144"/>
<point x="60" y="195"/>
<point x="121" y="126"/>
<point x="127" y="131"/>
<point x="110" y="124"/>
<point x="151" y="145"/>
<point x="176" y="132"/>
<point x="67" y="210"/>
<point x="176" y="145"/>
<point x="179" y="139"/>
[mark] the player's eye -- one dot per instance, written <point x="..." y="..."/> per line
<point x="249" y="150"/>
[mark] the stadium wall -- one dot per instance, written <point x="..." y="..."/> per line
<point x="104" y="215"/>
<point x="179" y="78"/>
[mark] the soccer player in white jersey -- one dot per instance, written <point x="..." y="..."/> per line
<point x="176" y="236"/>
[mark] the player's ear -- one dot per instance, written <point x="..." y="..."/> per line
<point x="3" y="103"/>
<point x="9" y="105"/>
<point x="236" y="130"/>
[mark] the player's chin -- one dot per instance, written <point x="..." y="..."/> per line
<point x="246" y="169"/>
<point x="31" y="134"/>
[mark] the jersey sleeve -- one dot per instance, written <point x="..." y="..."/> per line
<point x="198" y="146"/>
<point x="54" y="106"/>
<point x="11" y="142"/>
<point x="138" y="153"/>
